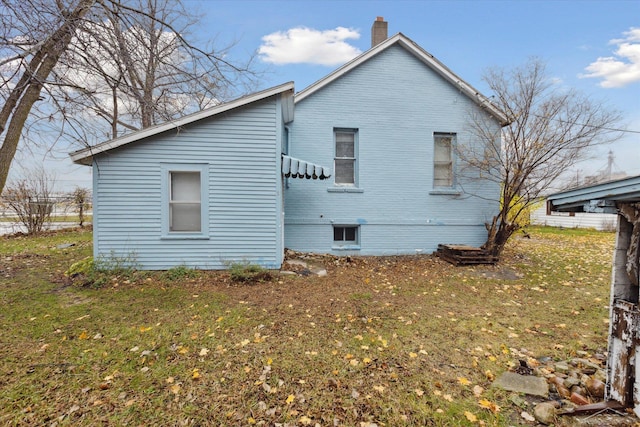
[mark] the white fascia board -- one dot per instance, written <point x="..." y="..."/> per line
<point x="85" y="155"/>
<point x="421" y="54"/>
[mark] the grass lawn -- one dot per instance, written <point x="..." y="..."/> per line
<point x="390" y="341"/>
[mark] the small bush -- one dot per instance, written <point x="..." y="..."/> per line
<point x="97" y="273"/>
<point x="249" y="273"/>
<point x="180" y="272"/>
<point x="85" y="273"/>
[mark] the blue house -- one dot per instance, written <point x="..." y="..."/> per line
<point x="223" y="185"/>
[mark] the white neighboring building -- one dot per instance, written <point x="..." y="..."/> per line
<point x="597" y="221"/>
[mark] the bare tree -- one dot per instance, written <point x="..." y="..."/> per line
<point x="128" y="62"/>
<point x="80" y="197"/>
<point x="551" y="129"/>
<point x="37" y="50"/>
<point x="31" y="199"/>
<point x="134" y="70"/>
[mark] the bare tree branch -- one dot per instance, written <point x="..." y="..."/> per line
<point x="551" y="129"/>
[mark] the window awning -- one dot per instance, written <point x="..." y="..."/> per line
<point x="296" y="168"/>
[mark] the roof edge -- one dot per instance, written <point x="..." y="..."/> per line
<point x="624" y="189"/>
<point x="425" y="57"/>
<point x="84" y="156"/>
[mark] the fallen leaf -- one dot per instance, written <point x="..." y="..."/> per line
<point x="463" y="381"/>
<point x="470" y="416"/>
<point x="175" y="389"/>
<point x="204" y="351"/>
<point x="477" y="390"/>
<point x="490" y="376"/>
<point x="489" y="405"/>
<point x="83" y="335"/>
<point x="195" y="374"/>
<point x="290" y="399"/>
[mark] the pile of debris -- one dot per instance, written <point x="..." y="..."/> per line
<point x="574" y="388"/>
<point x="465" y="255"/>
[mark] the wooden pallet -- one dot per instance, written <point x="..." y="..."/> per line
<point x="465" y="255"/>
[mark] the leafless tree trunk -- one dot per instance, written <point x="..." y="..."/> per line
<point x="80" y="198"/>
<point x="64" y="63"/>
<point x="26" y="92"/>
<point x="551" y="129"/>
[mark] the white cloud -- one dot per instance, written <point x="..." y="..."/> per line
<point x="621" y="69"/>
<point x="305" y="45"/>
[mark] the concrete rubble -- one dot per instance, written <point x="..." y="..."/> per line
<point x="567" y="393"/>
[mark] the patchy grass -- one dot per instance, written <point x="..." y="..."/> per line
<point x="392" y="341"/>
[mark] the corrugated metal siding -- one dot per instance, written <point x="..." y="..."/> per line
<point x="597" y="221"/>
<point x="396" y="103"/>
<point x="242" y="151"/>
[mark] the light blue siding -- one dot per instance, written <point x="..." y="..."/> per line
<point x="238" y="151"/>
<point x="396" y="103"/>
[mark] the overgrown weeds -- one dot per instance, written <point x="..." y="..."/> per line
<point x="98" y="273"/>
<point x="247" y="273"/>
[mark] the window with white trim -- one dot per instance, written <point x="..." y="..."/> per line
<point x="185" y="205"/>
<point x="345" y="156"/>
<point x="185" y="201"/>
<point x="443" y="144"/>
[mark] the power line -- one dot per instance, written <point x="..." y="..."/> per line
<point x="593" y="126"/>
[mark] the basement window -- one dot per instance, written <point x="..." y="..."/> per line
<point x="346" y="237"/>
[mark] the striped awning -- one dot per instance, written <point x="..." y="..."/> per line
<point x="296" y="168"/>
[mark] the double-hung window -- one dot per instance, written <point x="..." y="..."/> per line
<point x="443" y="160"/>
<point x="185" y="204"/>
<point x="184" y="199"/>
<point x="345" y="159"/>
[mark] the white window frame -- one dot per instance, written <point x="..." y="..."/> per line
<point x="446" y="163"/>
<point x="342" y="158"/>
<point x="168" y="201"/>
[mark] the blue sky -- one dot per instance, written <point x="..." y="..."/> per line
<point x="302" y="41"/>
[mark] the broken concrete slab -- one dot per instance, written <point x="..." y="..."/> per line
<point x="305" y="268"/>
<point x="526" y="384"/>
